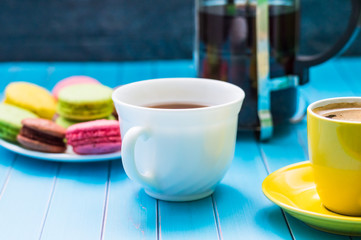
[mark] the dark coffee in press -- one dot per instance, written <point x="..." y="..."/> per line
<point x="227" y="51"/>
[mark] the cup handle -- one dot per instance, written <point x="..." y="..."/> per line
<point x="303" y="63"/>
<point x="128" y="155"/>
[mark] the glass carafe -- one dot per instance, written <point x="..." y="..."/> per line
<point x="226" y="49"/>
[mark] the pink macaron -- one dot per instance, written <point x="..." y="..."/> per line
<point x="72" y="81"/>
<point x="94" y="137"/>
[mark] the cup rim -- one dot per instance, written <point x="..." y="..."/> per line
<point x="327" y="101"/>
<point x="239" y="99"/>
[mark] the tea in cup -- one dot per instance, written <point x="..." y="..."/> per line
<point x="334" y="141"/>
<point x="178" y="134"/>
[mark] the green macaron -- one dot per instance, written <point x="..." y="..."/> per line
<point x="64" y="122"/>
<point x="84" y="102"/>
<point x="10" y="120"/>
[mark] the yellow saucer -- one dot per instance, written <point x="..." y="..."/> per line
<point x="293" y="189"/>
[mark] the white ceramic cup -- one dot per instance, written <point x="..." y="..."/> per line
<point x="178" y="154"/>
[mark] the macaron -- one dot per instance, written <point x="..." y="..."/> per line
<point x="94" y="137"/>
<point x="85" y="102"/>
<point x="73" y="80"/>
<point x="64" y="122"/>
<point x="31" y="97"/>
<point x="42" y="135"/>
<point x="10" y="121"/>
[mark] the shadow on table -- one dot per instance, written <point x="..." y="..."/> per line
<point x="240" y="212"/>
<point x="230" y="204"/>
<point x="84" y="172"/>
<point x="286" y="129"/>
<point x="272" y="218"/>
<point x="298" y="227"/>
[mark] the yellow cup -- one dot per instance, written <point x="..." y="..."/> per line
<point x="335" y="152"/>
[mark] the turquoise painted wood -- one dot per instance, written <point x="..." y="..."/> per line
<point x="136" y="71"/>
<point x="107" y="73"/>
<point x="59" y="71"/>
<point x="25" y="198"/>
<point x="30" y="72"/>
<point x="6" y="161"/>
<point x="4" y="77"/>
<point x="129" y="212"/>
<point x="50" y="200"/>
<point x="350" y="69"/>
<point x="242" y="209"/>
<point x="188" y="220"/>
<point x="77" y="202"/>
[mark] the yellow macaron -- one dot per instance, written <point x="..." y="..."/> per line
<point x="31" y="97"/>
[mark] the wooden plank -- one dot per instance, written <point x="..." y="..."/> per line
<point x="187" y="220"/>
<point x="6" y="160"/>
<point x="5" y="77"/>
<point x="170" y="69"/>
<point x="136" y="71"/>
<point x="284" y="148"/>
<point x="36" y="73"/>
<point x="243" y="211"/>
<point x="129" y="213"/>
<point x="25" y="198"/>
<point x="77" y="205"/>
<point x="6" y="157"/>
<point x="350" y="70"/>
<point x="106" y="73"/>
<point x="58" y="71"/>
<point x="29" y="72"/>
<point x="127" y="72"/>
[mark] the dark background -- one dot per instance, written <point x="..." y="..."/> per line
<point x="127" y="30"/>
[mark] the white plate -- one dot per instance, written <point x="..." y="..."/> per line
<point x="68" y="156"/>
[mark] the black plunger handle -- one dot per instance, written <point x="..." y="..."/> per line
<point x="303" y="63"/>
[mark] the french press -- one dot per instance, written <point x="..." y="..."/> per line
<point x="254" y="44"/>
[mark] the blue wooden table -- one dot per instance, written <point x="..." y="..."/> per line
<point x="50" y="200"/>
